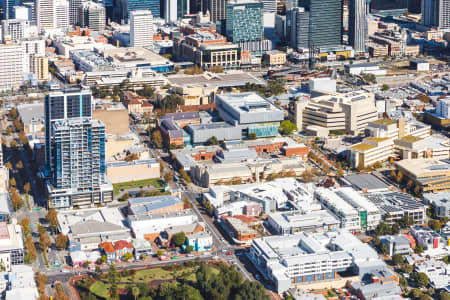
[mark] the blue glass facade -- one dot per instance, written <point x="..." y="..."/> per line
<point x="153" y="5"/>
<point x="244" y="22"/>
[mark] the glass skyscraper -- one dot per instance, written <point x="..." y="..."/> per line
<point x="153" y="5"/>
<point x="244" y="21"/>
<point x="325" y="18"/>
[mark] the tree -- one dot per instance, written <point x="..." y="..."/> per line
<point x="307" y="176"/>
<point x="212" y="141"/>
<point x="187" y="203"/>
<point x="41" y="280"/>
<point x="435" y="225"/>
<point x="385" y="87"/>
<point x="444" y="296"/>
<point x="399" y="177"/>
<point x="157" y="138"/>
<point x="393" y="175"/>
<point x="61" y="241"/>
<point x="446" y="259"/>
<point x="128" y="256"/>
<point x="168" y="177"/>
<point x="339" y="173"/>
<point x="8" y="165"/>
<point x="395" y="228"/>
<point x="159" y="253"/>
<point x="25" y="224"/>
<point x="384" y="249"/>
<point x="13" y="144"/>
<point x="27" y="187"/>
<point x="422" y="279"/>
<point x="185" y="175"/>
<point x="44" y="242"/>
<point x="287" y="127"/>
<point x="135" y="292"/>
<point x="19" y="165"/>
<point x="397" y="259"/>
<point x="52" y="218"/>
<point x="189" y="249"/>
<point x="12" y="182"/>
<point x="30" y="249"/>
<point x="252" y="136"/>
<point x="403" y="282"/>
<point x="16" y="200"/>
<point x="178" y="239"/>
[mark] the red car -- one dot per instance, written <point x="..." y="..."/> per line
<point x="229" y="253"/>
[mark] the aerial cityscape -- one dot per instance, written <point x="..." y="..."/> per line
<point x="225" y="149"/>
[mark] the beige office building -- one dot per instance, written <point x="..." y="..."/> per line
<point x="350" y="112"/>
<point x="42" y="68"/>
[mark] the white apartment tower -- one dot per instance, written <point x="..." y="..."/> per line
<point x="32" y="49"/>
<point x="92" y="15"/>
<point x="436" y="13"/>
<point x="141" y="28"/>
<point x="45" y="14"/>
<point x="11" y="66"/>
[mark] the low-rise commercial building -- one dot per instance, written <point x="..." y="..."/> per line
<point x="149" y="226"/>
<point x="11" y="243"/>
<point x="155" y="205"/>
<point x="200" y="241"/>
<point x="87" y="228"/>
<point x="367" y="68"/>
<point x="438" y="272"/>
<point x="396" y="244"/>
<point x="440" y="202"/>
<point x="304" y="258"/>
<point x="275" y="58"/>
<point x="427" y="237"/>
<point x="354" y="210"/>
<point x="123" y="171"/>
<point x="239" y="230"/>
<point x="431" y="175"/>
<point x="398" y="205"/>
<point x="296" y="221"/>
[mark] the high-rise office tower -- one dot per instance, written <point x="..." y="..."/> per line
<point x="73" y="11"/>
<point x="297" y="29"/>
<point x="152" y="5"/>
<point x="357" y="25"/>
<point x="92" y="15"/>
<point x="414" y="6"/>
<point x="244" y="21"/>
<point x="325" y="17"/>
<point x="45" y="14"/>
<point x="436" y="13"/>
<point x="75" y="151"/>
<point x="216" y="9"/>
<point x="6" y="8"/>
<point x="62" y="14"/>
<point x="182" y="8"/>
<point x="170" y="11"/>
<point x="141" y="28"/>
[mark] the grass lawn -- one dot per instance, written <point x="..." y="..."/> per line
<point x="143" y="276"/>
<point x="155" y="182"/>
<point x="100" y="289"/>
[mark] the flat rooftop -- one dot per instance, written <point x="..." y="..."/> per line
<point x="367" y="182"/>
<point x="394" y="201"/>
<point x="144" y="205"/>
<point x="207" y="79"/>
<point x="419" y="167"/>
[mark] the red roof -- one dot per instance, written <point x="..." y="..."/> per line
<point x="119" y="245"/>
<point x="107" y="247"/>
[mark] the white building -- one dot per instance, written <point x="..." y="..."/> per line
<point x="21" y="284"/>
<point x="437" y="271"/>
<point x="440" y="203"/>
<point x="45" y="14"/>
<point x="13" y="29"/>
<point x="170" y="11"/>
<point x="21" y="13"/>
<point x="295" y="221"/>
<point x="141" y="28"/>
<point x="61" y="14"/>
<point x="143" y="225"/>
<point x="11" y="66"/>
<point x="32" y="49"/>
<point x="346" y="213"/>
<point x="309" y="258"/>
